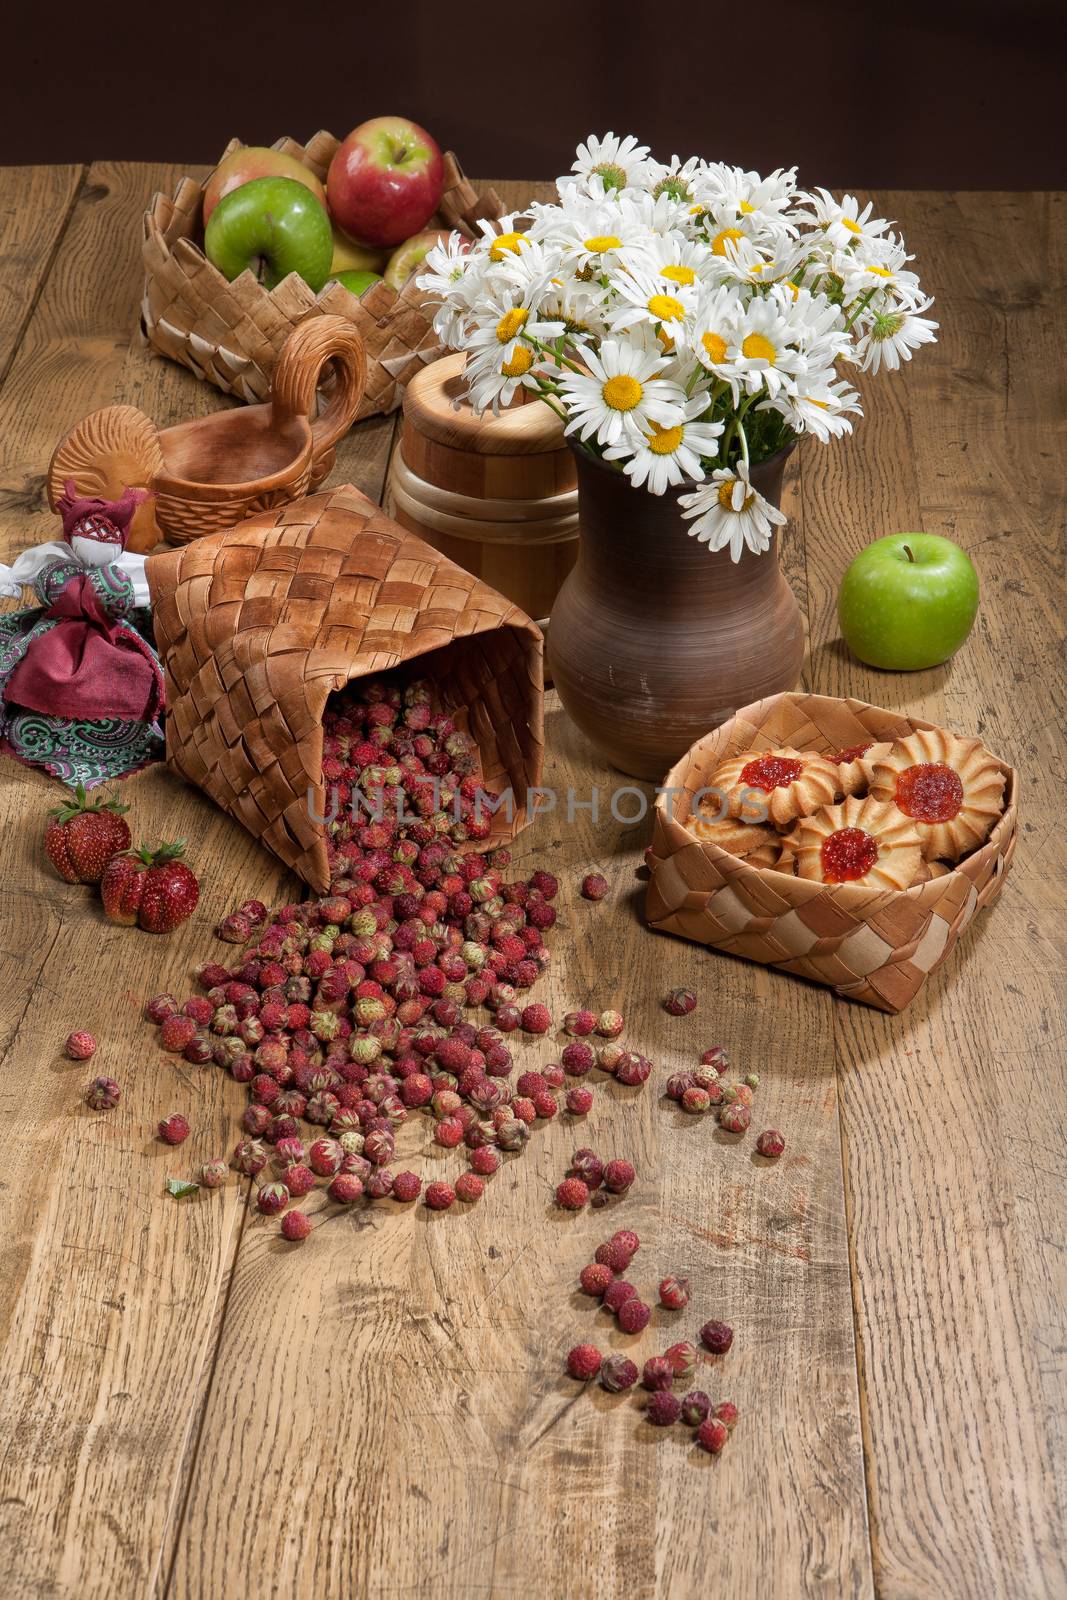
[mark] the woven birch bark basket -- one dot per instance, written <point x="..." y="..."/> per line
<point x="873" y="945"/>
<point x="231" y="334"/>
<point x="257" y="626"/>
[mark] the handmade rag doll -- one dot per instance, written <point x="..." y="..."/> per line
<point x="81" y="689"/>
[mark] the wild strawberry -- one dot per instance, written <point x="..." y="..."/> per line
<point x="80" y="1046"/>
<point x="174" y="1129"/>
<point x="103" y="1094"/>
<point x="439" y="1196"/>
<point x="572" y="1194"/>
<point x="295" y="1226"/>
<point x="584" y="1362"/>
<point x="212" y="1174"/>
<point x="152" y="888"/>
<point x="84" y="835"/>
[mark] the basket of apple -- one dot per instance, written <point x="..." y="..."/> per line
<point x="278" y="234"/>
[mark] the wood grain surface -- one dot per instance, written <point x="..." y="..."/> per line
<point x="191" y="1408"/>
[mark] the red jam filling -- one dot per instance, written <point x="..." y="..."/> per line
<point x="930" y="792"/>
<point x="847" y="854"/>
<point x="771" y="772"/>
<point x="851" y="752"/>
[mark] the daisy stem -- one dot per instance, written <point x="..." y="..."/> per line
<point x="860" y="305"/>
<point x="744" y="443"/>
<point x="732" y="427"/>
<point x="556" y="355"/>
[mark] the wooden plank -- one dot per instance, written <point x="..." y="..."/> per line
<point x="35" y="205"/>
<point x="110" y="1300"/>
<point x="389" y="1398"/>
<point x="956" y="1201"/>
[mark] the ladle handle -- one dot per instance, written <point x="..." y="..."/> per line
<point x="295" y="384"/>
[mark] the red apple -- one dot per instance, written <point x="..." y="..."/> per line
<point x="385" y="182"/>
<point x="251" y="161"/>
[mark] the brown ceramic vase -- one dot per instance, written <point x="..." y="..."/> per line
<point x="654" y="640"/>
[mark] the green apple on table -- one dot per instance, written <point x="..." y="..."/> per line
<point x="274" y="226"/>
<point x="908" y="601"/>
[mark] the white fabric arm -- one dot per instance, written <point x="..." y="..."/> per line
<point x="29" y="564"/>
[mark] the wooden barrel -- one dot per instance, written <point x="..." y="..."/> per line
<point x="497" y="495"/>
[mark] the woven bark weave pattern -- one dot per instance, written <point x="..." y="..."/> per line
<point x="876" y="946"/>
<point x="257" y="626"/>
<point x="231" y="334"/>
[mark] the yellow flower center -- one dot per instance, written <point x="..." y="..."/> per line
<point x="665" y="339"/>
<point x="665" y="308"/>
<point x="622" y="392"/>
<point x="520" y="363"/>
<point x="851" y="225"/>
<point x="506" y="243"/>
<point x="745" y="209"/>
<point x="822" y="405"/>
<point x="601" y="242"/>
<point x="684" y="275"/>
<point x="757" y="348"/>
<point x="880" y="272"/>
<point x="724" y="238"/>
<point x="726" y="494"/>
<point x="664" y="441"/>
<point x="511" y="323"/>
<point x="793" y="290"/>
<point x="715" y="346"/>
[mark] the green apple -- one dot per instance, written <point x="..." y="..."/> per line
<point x="349" y="257"/>
<point x="355" y="281"/>
<point x="908" y="601"/>
<point x="274" y="226"/>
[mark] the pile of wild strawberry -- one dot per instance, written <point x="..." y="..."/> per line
<point x="347" y="1012"/>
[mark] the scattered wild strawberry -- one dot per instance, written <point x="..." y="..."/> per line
<point x="79" y="1046"/>
<point x="174" y="1129"/>
<point x="584" y="1362"/>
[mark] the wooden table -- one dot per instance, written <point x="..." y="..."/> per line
<point x="192" y="1408"/>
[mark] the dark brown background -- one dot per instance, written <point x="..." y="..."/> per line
<point x="945" y="95"/>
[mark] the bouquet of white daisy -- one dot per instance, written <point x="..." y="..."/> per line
<point x="686" y="320"/>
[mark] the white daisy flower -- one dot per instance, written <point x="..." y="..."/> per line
<point x="884" y="268"/>
<point x="767" y="201"/>
<point x="845" y="224"/>
<point x="892" y="334"/>
<point x="671" y="258"/>
<point x="675" y="178"/>
<point x="715" y="334"/>
<point x="502" y="238"/>
<point x="622" y="394"/>
<point x="640" y="299"/>
<point x="493" y="382"/>
<point x="504" y="320"/>
<point x="730" y="514"/>
<point x="618" y="163"/>
<point x="669" y="455"/>
<point x="764" y="353"/>
<point x="821" y="405"/>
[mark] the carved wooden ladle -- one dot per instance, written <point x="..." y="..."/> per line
<point x="207" y="474"/>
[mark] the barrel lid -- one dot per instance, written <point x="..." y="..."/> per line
<point x="525" y="428"/>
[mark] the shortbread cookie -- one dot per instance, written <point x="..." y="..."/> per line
<point x="854" y="765"/>
<point x="866" y="842"/>
<point x="740" y="838"/>
<point x="951" y="788"/>
<point x="775" y="785"/>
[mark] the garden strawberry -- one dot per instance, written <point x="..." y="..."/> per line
<point x="150" y="887"/>
<point x="84" y="835"/>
